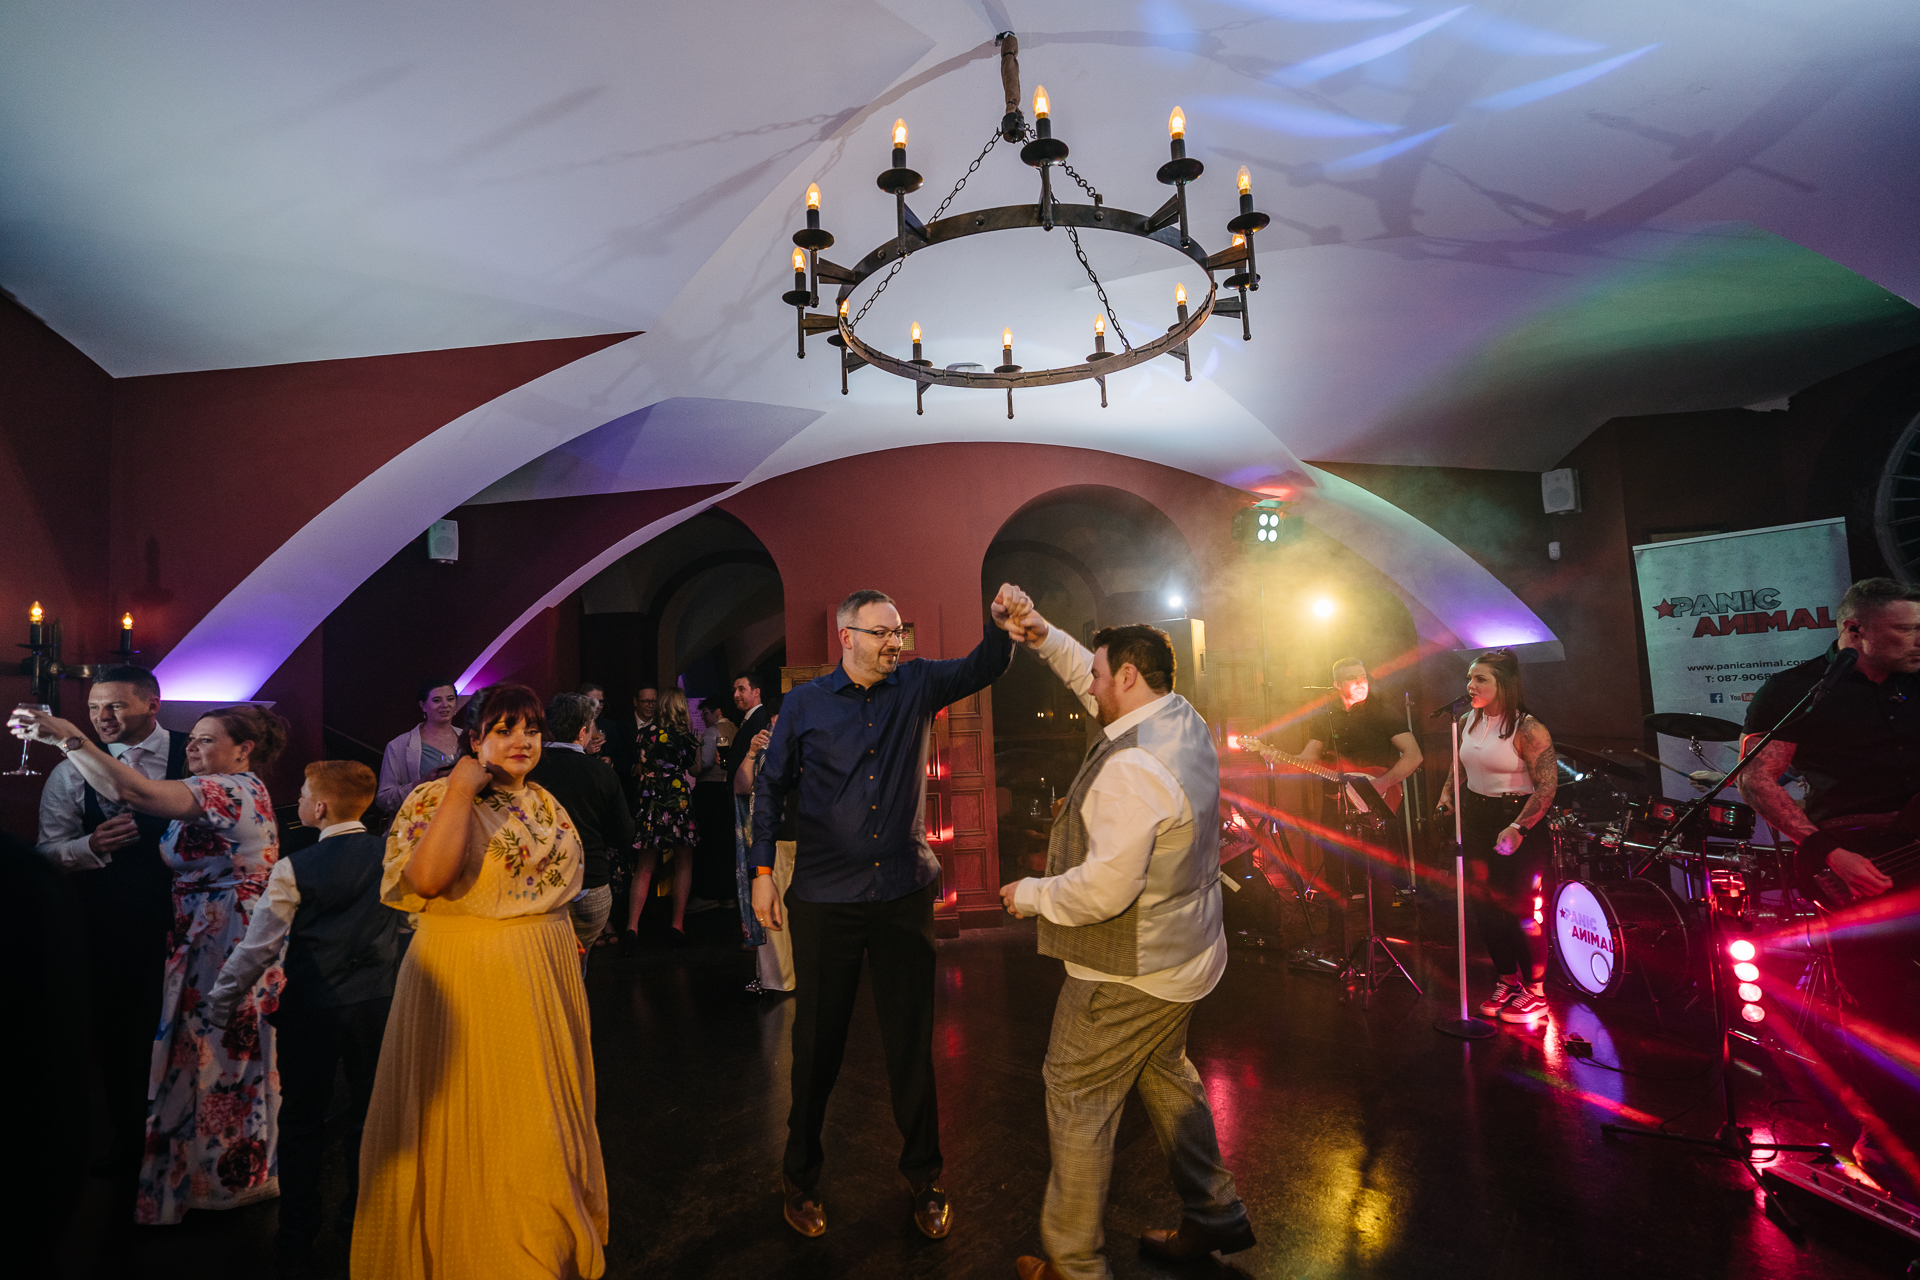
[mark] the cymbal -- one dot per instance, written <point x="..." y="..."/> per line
<point x="1684" y="724"/>
<point x="1604" y="761"/>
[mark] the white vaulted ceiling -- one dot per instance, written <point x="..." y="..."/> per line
<point x="1495" y="225"/>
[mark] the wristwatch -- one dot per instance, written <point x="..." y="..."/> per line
<point x="72" y="744"/>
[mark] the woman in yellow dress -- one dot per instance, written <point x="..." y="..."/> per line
<point x="480" y="1156"/>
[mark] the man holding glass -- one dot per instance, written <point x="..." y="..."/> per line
<point x="126" y="896"/>
<point x="853" y="744"/>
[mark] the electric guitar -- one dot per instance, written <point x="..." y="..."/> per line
<point x="1890" y="842"/>
<point x="1360" y="790"/>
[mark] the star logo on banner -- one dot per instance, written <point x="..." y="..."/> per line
<point x="1664" y="609"/>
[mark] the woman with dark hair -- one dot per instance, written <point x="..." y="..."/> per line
<point x="213" y="1091"/>
<point x="1508" y="763"/>
<point x="663" y="816"/>
<point x="423" y="751"/>
<point x="480" y="1156"/>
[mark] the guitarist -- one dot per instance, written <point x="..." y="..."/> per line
<point x="1366" y="738"/>
<point x="1859" y="748"/>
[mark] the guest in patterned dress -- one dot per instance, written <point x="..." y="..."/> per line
<point x="663" y="814"/>
<point x="480" y="1156"/>
<point x="213" y="1092"/>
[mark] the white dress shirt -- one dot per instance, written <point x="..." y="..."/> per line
<point x="63" y="802"/>
<point x="1131" y="812"/>
<point x="266" y="934"/>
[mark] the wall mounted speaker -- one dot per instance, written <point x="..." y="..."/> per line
<point x="443" y="541"/>
<point x="1560" y="491"/>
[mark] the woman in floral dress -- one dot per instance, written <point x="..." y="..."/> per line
<point x="663" y="812"/>
<point x="214" y="1094"/>
<point x="480" y="1157"/>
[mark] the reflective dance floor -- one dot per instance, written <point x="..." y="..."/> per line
<point x="1364" y="1142"/>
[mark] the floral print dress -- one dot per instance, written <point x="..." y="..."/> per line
<point x="663" y="810"/>
<point x="214" y="1095"/>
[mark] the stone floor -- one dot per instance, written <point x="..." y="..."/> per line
<point x="1364" y="1142"/>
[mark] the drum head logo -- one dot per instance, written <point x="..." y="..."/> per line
<point x="1586" y="942"/>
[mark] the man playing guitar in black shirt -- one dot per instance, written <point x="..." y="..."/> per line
<point x="1366" y="739"/>
<point x="1859" y="751"/>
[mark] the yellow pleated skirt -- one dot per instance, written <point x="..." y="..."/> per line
<point x="480" y="1156"/>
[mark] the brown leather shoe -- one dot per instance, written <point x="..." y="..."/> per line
<point x="802" y="1210"/>
<point x="1037" y="1269"/>
<point x="1190" y="1240"/>
<point x="931" y="1212"/>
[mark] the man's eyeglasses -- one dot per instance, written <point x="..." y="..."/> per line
<point x="883" y="633"/>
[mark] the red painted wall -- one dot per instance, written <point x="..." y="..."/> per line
<point x="213" y="471"/>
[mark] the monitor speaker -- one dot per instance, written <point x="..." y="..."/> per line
<point x="443" y="541"/>
<point x="1560" y="491"/>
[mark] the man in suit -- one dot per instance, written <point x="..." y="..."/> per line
<point x="754" y="715"/>
<point x="323" y="904"/>
<point x="126" y="899"/>
<point x="1131" y="903"/>
<point x="589" y="790"/>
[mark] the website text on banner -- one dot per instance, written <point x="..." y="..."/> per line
<point x="1724" y="612"/>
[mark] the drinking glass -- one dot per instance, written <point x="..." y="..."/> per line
<point x="26" y="744"/>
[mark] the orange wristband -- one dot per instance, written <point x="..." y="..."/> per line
<point x="763" y="871"/>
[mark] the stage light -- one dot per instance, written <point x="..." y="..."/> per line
<point x="1740" y="949"/>
<point x="1747" y="972"/>
<point x="1233" y="744"/>
<point x="1323" y="608"/>
<point x="1749" y="992"/>
<point x="1753" y="1013"/>
<point x="1173" y="602"/>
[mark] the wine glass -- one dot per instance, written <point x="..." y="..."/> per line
<point x="26" y="744"/>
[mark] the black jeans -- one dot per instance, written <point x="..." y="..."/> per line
<point x="829" y="941"/>
<point x="1502" y="888"/>
<point x="311" y="1044"/>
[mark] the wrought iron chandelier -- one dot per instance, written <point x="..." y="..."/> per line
<point x="1042" y="151"/>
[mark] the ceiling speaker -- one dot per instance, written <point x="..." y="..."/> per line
<point x="443" y="541"/>
<point x="1560" y="491"/>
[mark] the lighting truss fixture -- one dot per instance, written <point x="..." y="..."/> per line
<point x="1042" y="151"/>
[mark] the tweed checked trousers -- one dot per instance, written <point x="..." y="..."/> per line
<point x="1108" y="1038"/>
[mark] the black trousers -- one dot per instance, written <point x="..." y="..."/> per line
<point x="311" y="1044"/>
<point x="1501" y="887"/>
<point x="126" y="962"/>
<point x="713" y="876"/>
<point x="830" y="939"/>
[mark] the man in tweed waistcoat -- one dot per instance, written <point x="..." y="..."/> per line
<point x="1131" y="903"/>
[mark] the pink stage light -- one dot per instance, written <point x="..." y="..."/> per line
<point x="1753" y="1013"/>
<point x="1749" y="992"/>
<point x="1747" y="972"/>
<point x="1741" y="949"/>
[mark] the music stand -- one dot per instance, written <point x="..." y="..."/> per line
<point x="1733" y="1141"/>
<point x="1354" y="822"/>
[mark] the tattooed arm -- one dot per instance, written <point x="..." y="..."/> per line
<point x="1760" y="787"/>
<point x="1535" y="746"/>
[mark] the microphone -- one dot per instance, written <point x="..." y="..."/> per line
<point x="1453" y="708"/>
<point x="1842" y="663"/>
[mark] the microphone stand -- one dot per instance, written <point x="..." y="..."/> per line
<point x="1733" y="1141"/>
<point x="1463" y="1027"/>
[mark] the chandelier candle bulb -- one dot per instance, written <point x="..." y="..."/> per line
<point x="813" y="206"/>
<point x="899" y="144"/>
<point x="1006" y="346"/>
<point x="800" y="269"/>
<point x="1042" y="124"/>
<point x="915" y="332"/>
<point x="1100" y="332"/>
<point x="36" y="616"/>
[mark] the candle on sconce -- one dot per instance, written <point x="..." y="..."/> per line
<point x="1099" y="331"/>
<point x="36" y="616"/>
<point x="800" y="269"/>
<point x="1177" y="133"/>
<point x="1180" y="301"/>
<point x="1042" y="124"/>
<point x="813" y="205"/>
<point x="1006" y="346"/>
<point x="126" y="632"/>
<point x="1245" y="180"/>
<point x="900" y="144"/>
<point x="916" y="341"/>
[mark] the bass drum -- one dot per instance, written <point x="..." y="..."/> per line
<point x="1621" y="936"/>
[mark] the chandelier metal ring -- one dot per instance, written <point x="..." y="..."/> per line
<point x="1043" y="152"/>
<point x="1009" y="217"/>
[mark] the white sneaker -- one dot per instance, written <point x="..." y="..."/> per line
<point x="1525" y="1007"/>
<point x="1503" y="991"/>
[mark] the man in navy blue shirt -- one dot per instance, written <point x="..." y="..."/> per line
<point x="853" y="743"/>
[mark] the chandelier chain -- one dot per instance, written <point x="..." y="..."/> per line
<point x="901" y="261"/>
<point x="1074" y="235"/>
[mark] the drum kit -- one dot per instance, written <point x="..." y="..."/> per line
<point x="1624" y="920"/>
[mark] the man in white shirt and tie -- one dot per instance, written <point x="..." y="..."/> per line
<point x="1131" y="903"/>
<point x="126" y="896"/>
